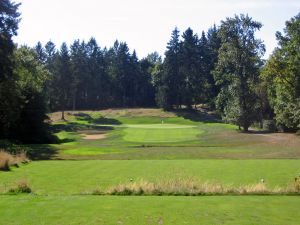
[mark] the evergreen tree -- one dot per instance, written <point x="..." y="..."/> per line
<point x="79" y="70"/>
<point x="40" y="51"/>
<point x="190" y="69"/>
<point x="98" y="79"/>
<point x="50" y="58"/>
<point x="63" y="80"/>
<point x="213" y="46"/>
<point x="119" y="70"/>
<point x="171" y="84"/>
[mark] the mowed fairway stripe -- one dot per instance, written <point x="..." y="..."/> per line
<point x="75" y="177"/>
<point x="160" y="133"/>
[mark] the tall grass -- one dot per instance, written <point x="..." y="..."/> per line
<point x="7" y="160"/>
<point x="191" y="187"/>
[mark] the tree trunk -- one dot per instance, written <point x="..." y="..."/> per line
<point x="245" y="128"/>
<point x="63" y="114"/>
<point x="74" y="102"/>
<point x="63" y="111"/>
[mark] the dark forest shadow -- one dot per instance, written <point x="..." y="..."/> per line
<point x="198" y="115"/>
<point x="100" y="120"/>
<point x="41" y="151"/>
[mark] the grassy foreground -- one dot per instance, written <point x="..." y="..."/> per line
<point x="77" y="177"/>
<point x="108" y="210"/>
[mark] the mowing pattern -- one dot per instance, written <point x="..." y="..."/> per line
<point x="161" y="133"/>
<point x="112" y="210"/>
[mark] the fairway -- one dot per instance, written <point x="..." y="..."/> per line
<point x="111" y="210"/>
<point x="78" y="177"/>
<point x="161" y="133"/>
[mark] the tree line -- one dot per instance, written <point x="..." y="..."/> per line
<point x="222" y="68"/>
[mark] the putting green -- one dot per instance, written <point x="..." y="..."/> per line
<point x="161" y="133"/>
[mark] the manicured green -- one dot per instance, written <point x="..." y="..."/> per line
<point x="75" y="177"/>
<point x="109" y="210"/>
<point x="161" y="133"/>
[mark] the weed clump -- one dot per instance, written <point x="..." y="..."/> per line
<point x="190" y="187"/>
<point x="21" y="187"/>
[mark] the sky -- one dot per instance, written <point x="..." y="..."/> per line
<point x="145" y="25"/>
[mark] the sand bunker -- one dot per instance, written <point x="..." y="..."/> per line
<point x="94" y="136"/>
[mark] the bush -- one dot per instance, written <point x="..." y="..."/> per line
<point x="7" y="160"/>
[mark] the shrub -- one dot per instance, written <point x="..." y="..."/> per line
<point x="22" y="187"/>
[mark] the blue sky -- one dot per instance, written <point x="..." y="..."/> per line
<point x="145" y="25"/>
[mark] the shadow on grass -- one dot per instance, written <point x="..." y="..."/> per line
<point x="99" y="120"/>
<point x="73" y="127"/>
<point x="257" y="132"/>
<point x="198" y="115"/>
<point x="40" y="151"/>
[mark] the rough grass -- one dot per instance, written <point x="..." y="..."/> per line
<point x="192" y="187"/>
<point x="112" y="113"/>
<point x="145" y="210"/>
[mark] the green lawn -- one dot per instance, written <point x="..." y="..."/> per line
<point x="76" y="177"/>
<point x="161" y="133"/>
<point x="109" y="210"/>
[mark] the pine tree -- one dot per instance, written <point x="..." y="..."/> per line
<point x="63" y="78"/>
<point x="190" y="69"/>
<point x="213" y="46"/>
<point x="171" y="83"/>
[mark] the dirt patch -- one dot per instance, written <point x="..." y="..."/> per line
<point x="284" y="139"/>
<point x="94" y="136"/>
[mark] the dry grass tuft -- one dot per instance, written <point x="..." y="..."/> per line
<point x="21" y="187"/>
<point x="191" y="187"/>
<point x="7" y="160"/>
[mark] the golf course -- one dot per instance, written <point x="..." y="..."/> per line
<point x="147" y="166"/>
<point x="149" y="112"/>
